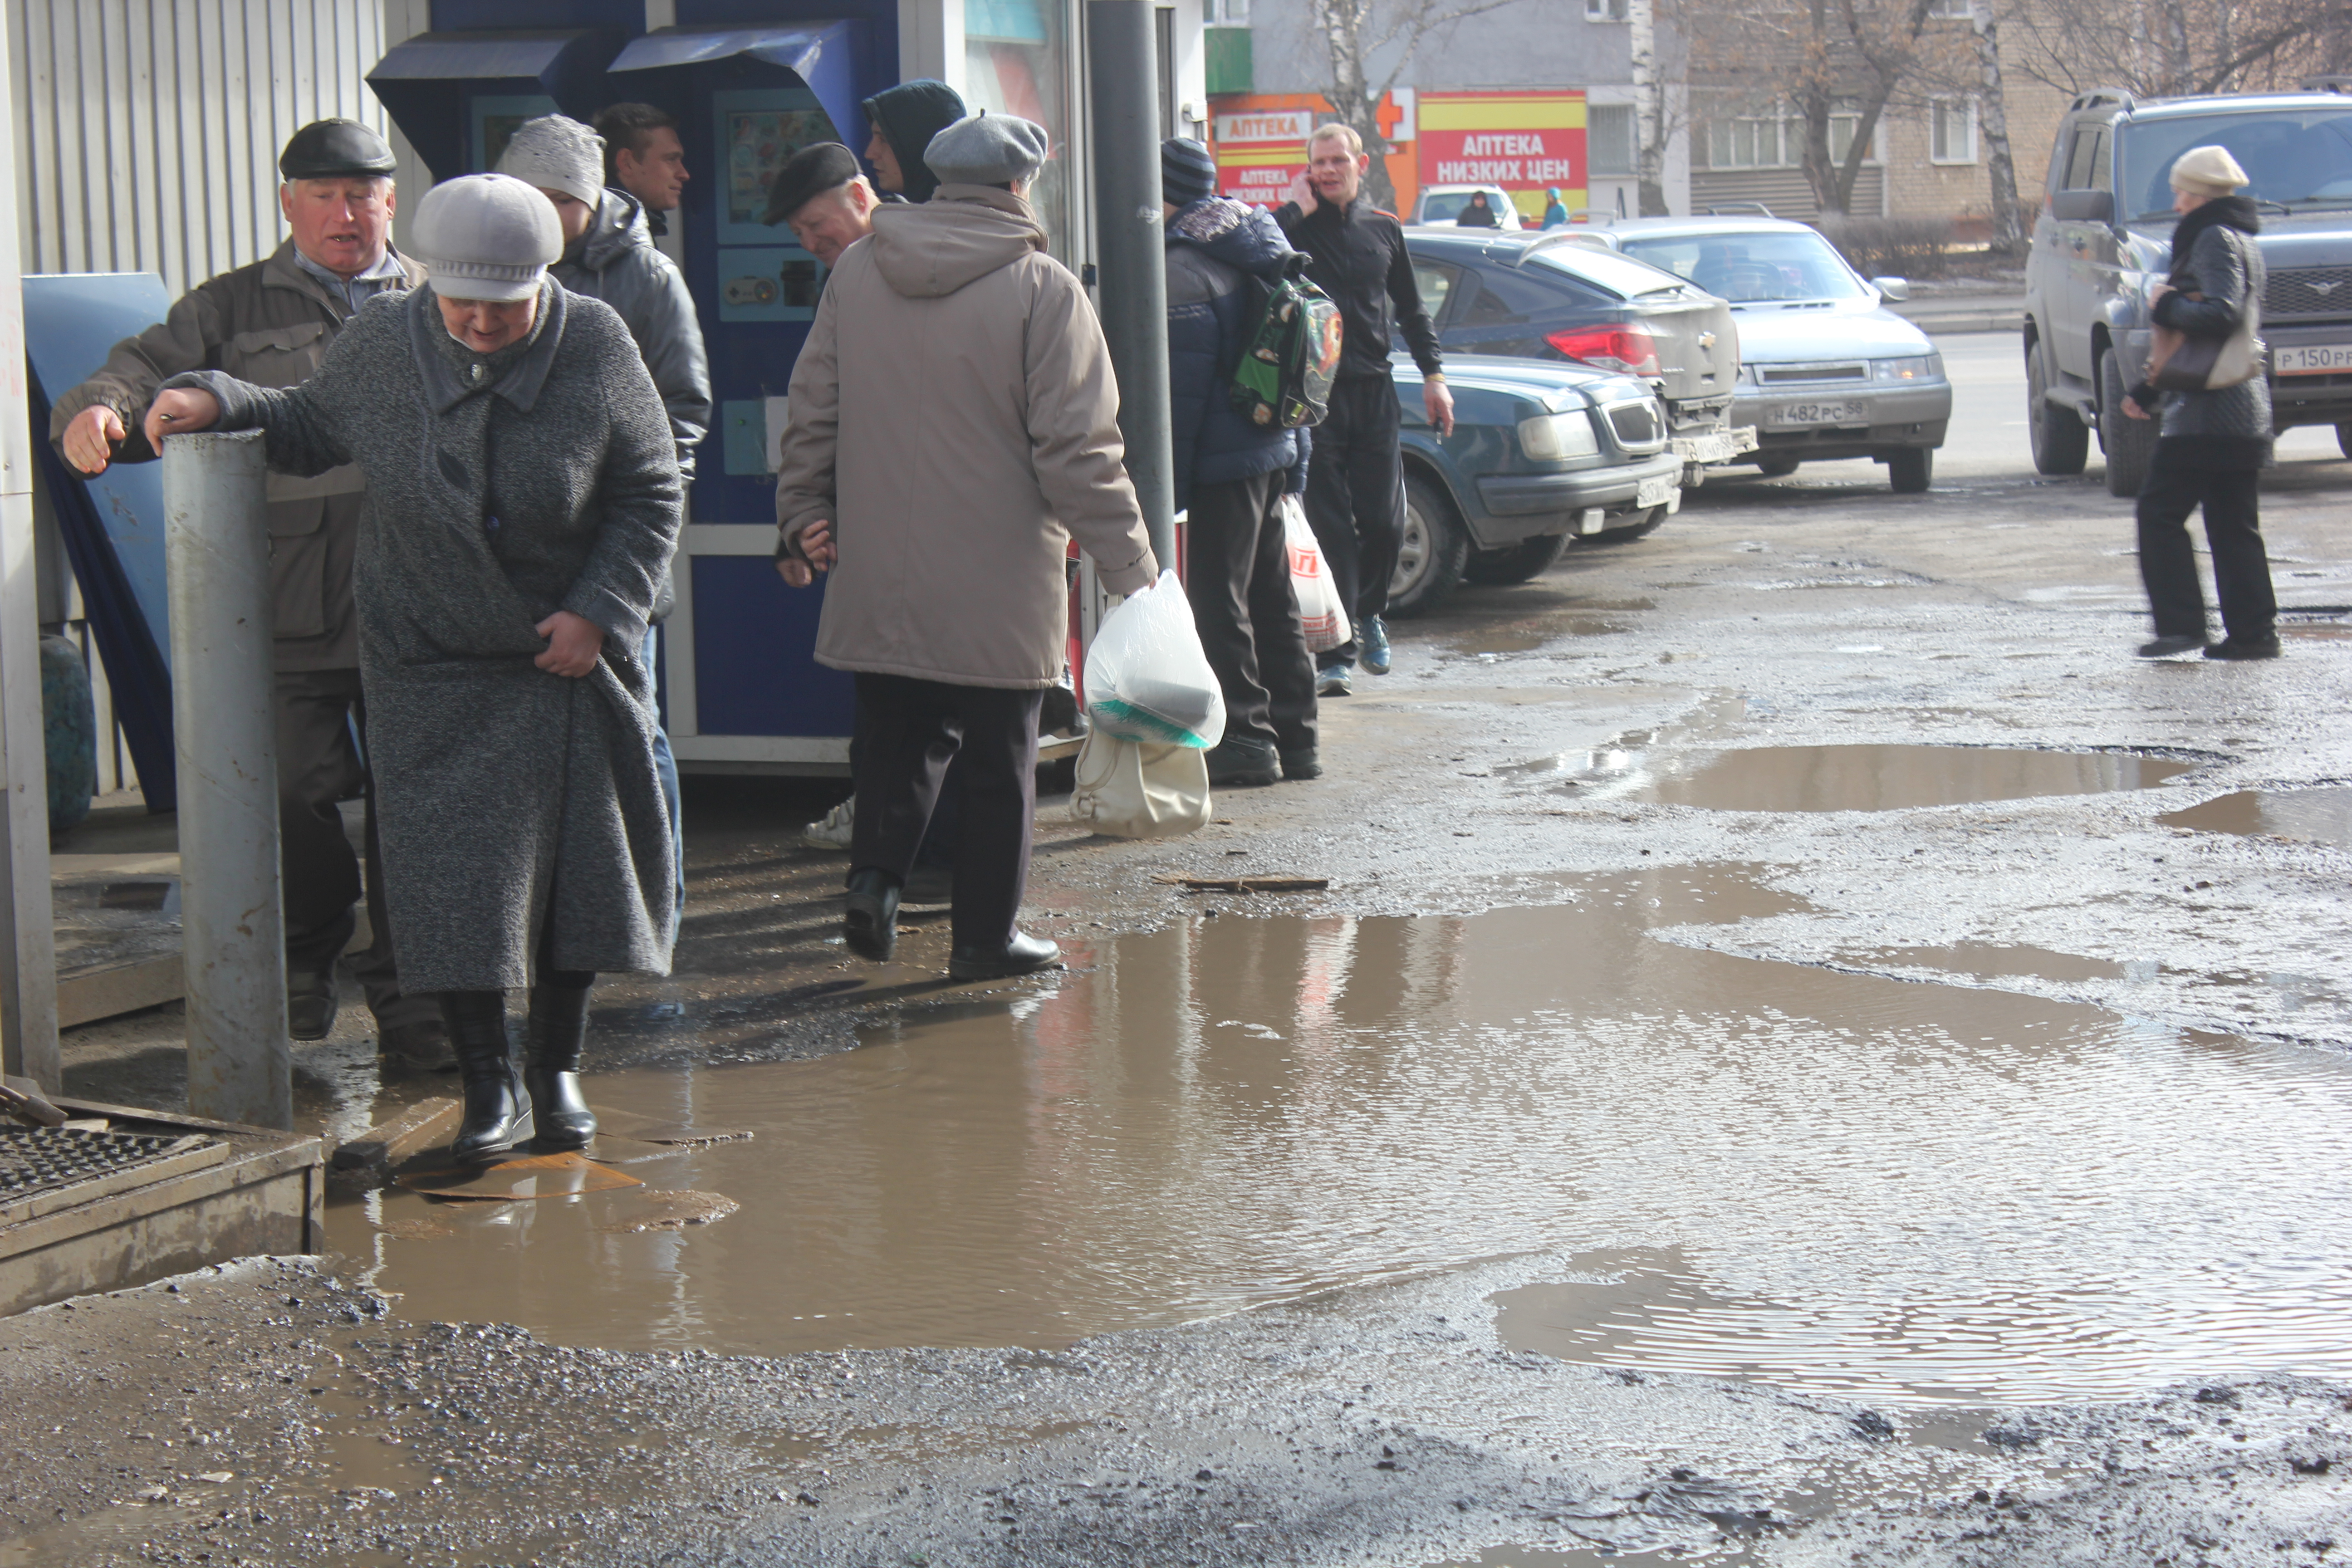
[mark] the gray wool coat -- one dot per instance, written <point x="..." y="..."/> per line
<point x="511" y="801"/>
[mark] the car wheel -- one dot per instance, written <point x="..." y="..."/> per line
<point x="1432" y="555"/>
<point x="2343" y="438"/>
<point x="2062" y="442"/>
<point x="1776" y="467"/>
<point x="1909" y="471"/>
<point x="2128" y="442"/>
<point x="1642" y="529"/>
<point x="1501" y="568"/>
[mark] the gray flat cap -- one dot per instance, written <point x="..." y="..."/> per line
<point x="987" y="149"/>
<point x="486" y="236"/>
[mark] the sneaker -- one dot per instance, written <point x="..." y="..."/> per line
<point x="2231" y="648"/>
<point x="1374" y="642"/>
<point x="2165" y="648"/>
<point x="1239" y="762"/>
<point x="1331" y="681"/>
<point x="833" y="831"/>
<point x="1301" y="763"/>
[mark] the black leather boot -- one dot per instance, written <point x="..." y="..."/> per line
<point x="498" y="1116"/>
<point x="871" y="926"/>
<point x="559" y="1033"/>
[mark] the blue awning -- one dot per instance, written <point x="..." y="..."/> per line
<point x="426" y="80"/>
<point x="474" y="57"/>
<point x="820" y="53"/>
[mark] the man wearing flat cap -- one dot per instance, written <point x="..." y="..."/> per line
<point x="270" y="323"/>
<point x="954" y="424"/>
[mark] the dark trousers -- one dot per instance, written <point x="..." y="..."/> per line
<point x="1237" y="576"/>
<point x="2180" y="482"/>
<point x="1355" y="496"/>
<point x="909" y="731"/>
<point x="318" y="766"/>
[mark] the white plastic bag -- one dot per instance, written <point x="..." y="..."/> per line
<point x="1324" y="618"/>
<point x="1146" y="678"/>
<point x="1134" y="789"/>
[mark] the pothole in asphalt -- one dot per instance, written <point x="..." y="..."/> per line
<point x="1860" y="778"/>
<point x="1835" y="1181"/>
<point x="2319" y="816"/>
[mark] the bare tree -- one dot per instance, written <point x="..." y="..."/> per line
<point x="1358" y="35"/>
<point x="1992" y="119"/>
<point x="2169" y="48"/>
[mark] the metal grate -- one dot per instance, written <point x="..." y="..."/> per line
<point x="1638" y="426"/>
<point x="45" y="1168"/>
<point x="2309" y="292"/>
<point x="1848" y="370"/>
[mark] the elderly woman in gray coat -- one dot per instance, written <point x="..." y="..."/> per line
<point x="2212" y="446"/>
<point x="524" y="502"/>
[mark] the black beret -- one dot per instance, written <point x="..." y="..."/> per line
<point x="813" y="170"/>
<point x="335" y="149"/>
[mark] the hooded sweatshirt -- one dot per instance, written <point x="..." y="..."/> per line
<point x="908" y="115"/>
<point x="955" y="417"/>
<point x="1216" y="249"/>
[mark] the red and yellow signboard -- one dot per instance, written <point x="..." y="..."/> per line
<point x="1527" y="142"/>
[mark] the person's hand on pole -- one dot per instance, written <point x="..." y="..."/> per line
<point x="573" y="644"/>
<point x="1302" y="191"/>
<point x="1439" y="401"/>
<point x="180" y="411"/>
<point x="91" y="439"/>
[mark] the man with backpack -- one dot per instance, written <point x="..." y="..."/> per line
<point x="1355" y="490"/>
<point x="1223" y="260"/>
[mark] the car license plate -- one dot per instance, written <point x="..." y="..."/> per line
<point x="1657" y="491"/>
<point x="2312" y="359"/>
<point x="1819" y="414"/>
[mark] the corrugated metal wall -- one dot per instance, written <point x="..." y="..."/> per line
<point x="150" y="129"/>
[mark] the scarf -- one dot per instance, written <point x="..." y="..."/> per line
<point x="2221" y="211"/>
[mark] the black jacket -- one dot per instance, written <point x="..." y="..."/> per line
<point x="1215" y="247"/>
<point x="1358" y="256"/>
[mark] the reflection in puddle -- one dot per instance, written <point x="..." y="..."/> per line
<point x="2320" y="815"/>
<point x="1991" y="961"/>
<point x="1833" y="1176"/>
<point x="1861" y="778"/>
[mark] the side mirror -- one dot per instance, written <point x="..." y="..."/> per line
<point x="2084" y="206"/>
<point x="1894" y="288"/>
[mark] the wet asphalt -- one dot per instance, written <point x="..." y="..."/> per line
<point x="2180" y="876"/>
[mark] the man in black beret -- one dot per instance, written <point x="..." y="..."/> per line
<point x="270" y="323"/>
<point x="827" y="201"/>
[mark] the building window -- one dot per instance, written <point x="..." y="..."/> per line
<point x="1952" y="10"/>
<point x="1952" y="131"/>
<point x="1227" y="12"/>
<point x="1017" y="61"/>
<point x="1609" y="138"/>
<point x="1777" y="140"/>
<point x="1604" y="10"/>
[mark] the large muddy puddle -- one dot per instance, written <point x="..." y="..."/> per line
<point x="1746" y="1168"/>
<point x="2316" y="815"/>
<point x="1858" y="777"/>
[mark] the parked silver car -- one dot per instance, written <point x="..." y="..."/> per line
<point x="1825" y="370"/>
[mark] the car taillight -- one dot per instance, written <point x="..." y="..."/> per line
<point x="1626" y="349"/>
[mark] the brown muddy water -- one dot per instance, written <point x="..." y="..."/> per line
<point x="2316" y="815"/>
<point x="1858" y="777"/>
<point x="1821" y="1179"/>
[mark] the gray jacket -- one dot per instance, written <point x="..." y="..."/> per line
<point x="615" y="261"/>
<point x="2230" y="273"/>
<point x="510" y="801"/>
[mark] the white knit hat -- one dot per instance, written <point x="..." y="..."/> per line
<point x="2207" y="172"/>
<point x="486" y="236"/>
<point x="557" y="153"/>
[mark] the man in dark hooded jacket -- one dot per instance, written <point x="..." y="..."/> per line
<point x="904" y="119"/>
<point x="1231" y="477"/>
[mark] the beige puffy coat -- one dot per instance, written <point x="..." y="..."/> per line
<point x="954" y="415"/>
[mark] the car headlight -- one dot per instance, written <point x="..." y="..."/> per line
<point x="1927" y="367"/>
<point x="1549" y="437"/>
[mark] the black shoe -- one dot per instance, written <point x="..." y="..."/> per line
<point x="1301" y="763"/>
<point x="929" y="885"/>
<point x="558" y="1033"/>
<point x="2165" y="648"/>
<point x="1025" y="954"/>
<point x="871" y="926"/>
<point x="2232" y="648"/>
<point x="497" y="1113"/>
<point x="1058" y="713"/>
<point x="420" y="1044"/>
<point x="309" y="1004"/>
<point x="1238" y="762"/>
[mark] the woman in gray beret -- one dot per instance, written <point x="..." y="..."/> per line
<point x="524" y="501"/>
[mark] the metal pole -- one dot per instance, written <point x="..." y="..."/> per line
<point x="1123" y="62"/>
<point x="233" y="924"/>
<point x="29" y="954"/>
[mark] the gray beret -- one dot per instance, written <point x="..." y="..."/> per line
<point x="486" y="236"/>
<point x="987" y="149"/>
<point x="816" y="169"/>
<point x="557" y="153"/>
<point x="334" y="149"/>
